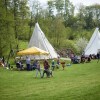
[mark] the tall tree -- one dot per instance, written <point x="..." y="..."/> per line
<point x="51" y="8"/>
<point x="95" y="9"/>
<point x="68" y="13"/>
<point x="23" y="20"/>
<point x="59" y="4"/>
<point x="15" y="7"/>
<point x="80" y="16"/>
<point x="20" y="11"/>
<point x="89" y="18"/>
<point x="36" y="9"/>
<point x="6" y="27"/>
<point x="58" y="32"/>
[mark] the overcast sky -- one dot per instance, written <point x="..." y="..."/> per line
<point x="75" y="2"/>
<point x="85" y="2"/>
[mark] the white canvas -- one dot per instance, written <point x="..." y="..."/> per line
<point x="39" y="40"/>
<point x="94" y="44"/>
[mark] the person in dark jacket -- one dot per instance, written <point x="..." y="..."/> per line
<point x="46" y="69"/>
<point x="98" y="56"/>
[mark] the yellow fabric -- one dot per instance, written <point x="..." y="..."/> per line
<point x="33" y="51"/>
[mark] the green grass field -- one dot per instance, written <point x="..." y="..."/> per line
<point x="77" y="82"/>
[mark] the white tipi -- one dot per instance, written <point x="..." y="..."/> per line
<point x="39" y="40"/>
<point x="94" y="44"/>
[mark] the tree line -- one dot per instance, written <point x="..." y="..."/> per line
<point x="58" y="20"/>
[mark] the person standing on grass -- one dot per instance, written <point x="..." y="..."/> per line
<point x="28" y="63"/>
<point x="63" y="64"/>
<point x="53" y="65"/>
<point x="34" y="65"/>
<point x="58" y="62"/>
<point x="46" y="69"/>
<point x="98" y="56"/>
<point x="38" y="69"/>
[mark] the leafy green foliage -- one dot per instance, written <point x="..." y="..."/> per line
<point x="17" y="22"/>
<point x="81" y="45"/>
<point x="13" y="24"/>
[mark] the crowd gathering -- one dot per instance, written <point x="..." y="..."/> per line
<point x="35" y="65"/>
<point x="83" y="58"/>
<point x="43" y="67"/>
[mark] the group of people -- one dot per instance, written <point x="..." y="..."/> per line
<point x="36" y="66"/>
<point x="83" y="58"/>
<point x="46" y="69"/>
<point x="74" y="59"/>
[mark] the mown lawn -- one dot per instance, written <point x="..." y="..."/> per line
<point x="77" y="82"/>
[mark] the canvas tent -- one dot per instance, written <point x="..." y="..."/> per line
<point x="39" y="40"/>
<point x="94" y="44"/>
<point x="33" y="51"/>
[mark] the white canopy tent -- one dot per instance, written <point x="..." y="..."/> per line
<point x="94" y="44"/>
<point x="39" y="40"/>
